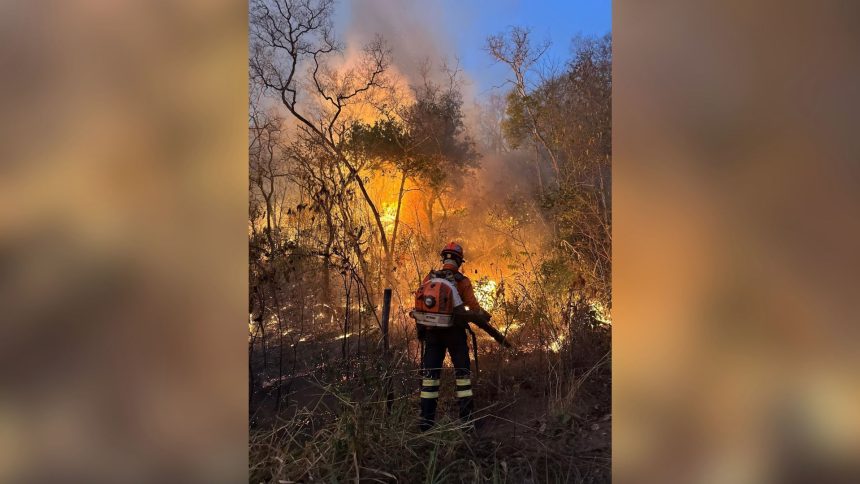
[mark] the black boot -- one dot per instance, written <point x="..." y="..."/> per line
<point x="428" y="413"/>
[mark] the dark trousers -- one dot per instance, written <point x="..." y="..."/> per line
<point x="436" y="342"/>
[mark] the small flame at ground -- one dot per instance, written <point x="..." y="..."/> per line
<point x="556" y="345"/>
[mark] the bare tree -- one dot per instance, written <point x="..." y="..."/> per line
<point x="516" y="50"/>
<point x="291" y="49"/>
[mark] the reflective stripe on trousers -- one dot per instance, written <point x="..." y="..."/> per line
<point x="439" y="341"/>
<point x="464" y="387"/>
<point x="430" y="388"/>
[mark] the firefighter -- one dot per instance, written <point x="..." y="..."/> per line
<point x="452" y="339"/>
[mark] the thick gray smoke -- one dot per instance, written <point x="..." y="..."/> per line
<point x="417" y="33"/>
<point x="414" y="30"/>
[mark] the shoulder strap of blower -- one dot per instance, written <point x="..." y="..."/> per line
<point x="445" y="274"/>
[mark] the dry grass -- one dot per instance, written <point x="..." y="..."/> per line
<point x="365" y="441"/>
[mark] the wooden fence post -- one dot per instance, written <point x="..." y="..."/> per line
<point x="386" y="312"/>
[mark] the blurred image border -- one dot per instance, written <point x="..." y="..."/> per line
<point x="123" y="249"/>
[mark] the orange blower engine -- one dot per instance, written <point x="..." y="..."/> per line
<point x="435" y="302"/>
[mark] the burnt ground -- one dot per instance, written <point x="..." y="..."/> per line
<point x="516" y="408"/>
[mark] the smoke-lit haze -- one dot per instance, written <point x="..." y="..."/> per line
<point x="413" y="30"/>
<point x="455" y="33"/>
<point x="418" y="30"/>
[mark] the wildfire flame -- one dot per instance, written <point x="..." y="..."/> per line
<point x="485" y="293"/>
<point x="388" y="215"/>
<point x="555" y="346"/>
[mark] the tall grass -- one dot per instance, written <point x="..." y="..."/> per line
<point x="368" y="441"/>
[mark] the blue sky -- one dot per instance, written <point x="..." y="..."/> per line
<point x="436" y="28"/>
<point x="558" y="21"/>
